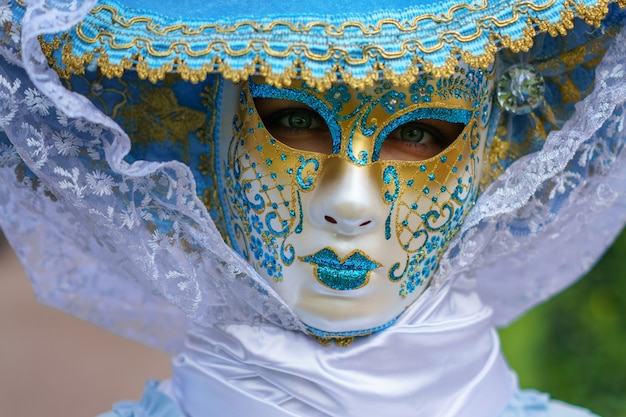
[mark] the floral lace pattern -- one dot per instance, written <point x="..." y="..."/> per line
<point x="546" y="220"/>
<point x="110" y="223"/>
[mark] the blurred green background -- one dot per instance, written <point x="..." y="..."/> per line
<point x="574" y="346"/>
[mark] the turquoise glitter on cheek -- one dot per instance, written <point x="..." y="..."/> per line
<point x="308" y="182"/>
<point x="390" y="175"/>
<point x="298" y="228"/>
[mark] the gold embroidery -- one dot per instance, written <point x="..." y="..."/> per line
<point x="158" y="118"/>
<point x="343" y="341"/>
<point x="75" y="64"/>
<point x="155" y="116"/>
<point x="206" y="135"/>
<point x="503" y="151"/>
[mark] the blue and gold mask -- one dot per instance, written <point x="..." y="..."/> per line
<point x="344" y="200"/>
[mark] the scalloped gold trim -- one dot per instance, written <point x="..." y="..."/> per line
<point x="592" y="15"/>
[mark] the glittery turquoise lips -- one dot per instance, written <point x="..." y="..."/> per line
<point x="349" y="274"/>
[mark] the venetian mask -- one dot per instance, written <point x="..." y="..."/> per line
<point x="344" y="200"/>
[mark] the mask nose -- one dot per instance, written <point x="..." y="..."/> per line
<point x="346" y="199"/>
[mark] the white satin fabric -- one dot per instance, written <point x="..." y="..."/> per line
<point x="443" y="360"/>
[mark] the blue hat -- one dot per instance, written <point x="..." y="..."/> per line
<point x="353" y="41"/>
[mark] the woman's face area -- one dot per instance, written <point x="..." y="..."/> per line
<point x="300" y="127"/>
<point x="345" y="200"/>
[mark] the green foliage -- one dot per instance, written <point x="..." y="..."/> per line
<point x="574" y="346"/>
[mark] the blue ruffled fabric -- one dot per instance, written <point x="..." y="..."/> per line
<point x="526" y="403"/>
<point x="153" y="404"/>
<point x="529" y="403"/>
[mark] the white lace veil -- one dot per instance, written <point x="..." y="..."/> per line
<point x="131" y="248"/>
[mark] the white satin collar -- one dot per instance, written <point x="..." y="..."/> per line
<point x="443" y="361"/>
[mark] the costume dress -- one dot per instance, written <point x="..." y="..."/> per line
<point x="114" y="216"/>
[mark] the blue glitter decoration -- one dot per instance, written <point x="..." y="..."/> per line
<point x="434" y="216"/>
<point x="390" y="174"/>
<point x="271" y="216"/>
<point x="298" y="228"/>
<point x="338" y="95"/>
<point x="340" y="275"/>
<point x="329" y="335"/>
<point x="363" y="157"/>
<point x="393" y="277"/>
<point x="393" y="101"/>
<point x="306" y="183"/>
<point x="421" y="91"/>
<point x="287" y="253"/>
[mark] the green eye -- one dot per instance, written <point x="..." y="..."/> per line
<point x="412" y="133"/>
<point x="294" y="125"/>
<point x="300" y="120"/>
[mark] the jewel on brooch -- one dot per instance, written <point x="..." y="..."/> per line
<point x="97" y="89"/>
<point x="520" y="89"/>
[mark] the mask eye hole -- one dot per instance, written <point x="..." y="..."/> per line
<point x="419" y="140"/>
<point x="295" y="124"/>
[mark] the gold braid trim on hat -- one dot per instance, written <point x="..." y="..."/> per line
<point x="75" y="64"/>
